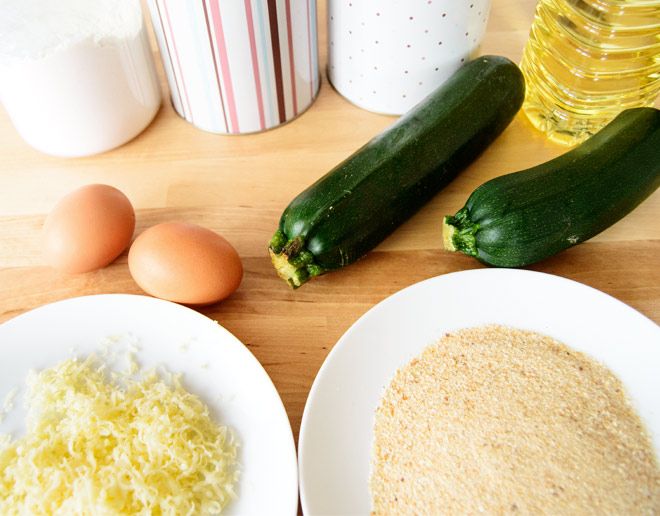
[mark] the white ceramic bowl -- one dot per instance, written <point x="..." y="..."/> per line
<point x="215" y="365"/>
<point x="334" y="449"/>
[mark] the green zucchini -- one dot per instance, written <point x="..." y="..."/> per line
<point x="521" y="218"/>
<point x="357" y="204"/>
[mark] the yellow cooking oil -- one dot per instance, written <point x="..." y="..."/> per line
<point x="586" y="61"/>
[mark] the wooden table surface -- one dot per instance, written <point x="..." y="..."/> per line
<point x="239" y="185"/>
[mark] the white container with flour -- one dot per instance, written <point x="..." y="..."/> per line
<point x="76" y="77"/>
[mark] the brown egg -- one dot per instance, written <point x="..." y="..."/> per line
<point x="88" y="229"/>
<point x="185" y="263"/>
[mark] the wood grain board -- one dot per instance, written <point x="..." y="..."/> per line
<point x="238" y="187"/>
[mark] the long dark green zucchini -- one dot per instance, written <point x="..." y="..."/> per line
<point x="357" y="204"/>
<point x="518" y="219"/>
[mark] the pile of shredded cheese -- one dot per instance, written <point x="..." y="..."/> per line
<point x="103" y="443"/>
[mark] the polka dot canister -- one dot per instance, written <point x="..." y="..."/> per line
<point x="388" y="55"/>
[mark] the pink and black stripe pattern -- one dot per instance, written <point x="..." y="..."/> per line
<point x="238" y="66"/>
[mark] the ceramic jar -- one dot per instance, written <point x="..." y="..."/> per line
<point x="388" y="55"/>
<point x="240" y="66"/>
<point x="79" y="78"/>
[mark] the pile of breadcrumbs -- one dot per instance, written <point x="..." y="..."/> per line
<point x="500" y="420"/>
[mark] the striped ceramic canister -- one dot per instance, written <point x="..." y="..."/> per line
<point x="238" y="66"/>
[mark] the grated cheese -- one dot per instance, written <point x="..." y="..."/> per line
<point x="118" y="445"/>
<point x="8" y="404"/>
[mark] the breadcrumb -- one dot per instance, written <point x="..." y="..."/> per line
<point x="500" y="420"/>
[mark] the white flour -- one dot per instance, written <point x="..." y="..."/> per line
<point x="76" y="76"/>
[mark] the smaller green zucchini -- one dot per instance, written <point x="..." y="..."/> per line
<point x="521" y="218"/>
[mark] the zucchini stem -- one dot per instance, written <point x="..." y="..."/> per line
<point x="459" y="233"/>
<point x="292" y="261"/>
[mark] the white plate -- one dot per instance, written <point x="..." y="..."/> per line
<point x="215" y="366"/>
<point x="336" y="433"/>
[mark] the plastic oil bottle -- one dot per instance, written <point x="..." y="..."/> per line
<point x="586" y="61"/>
